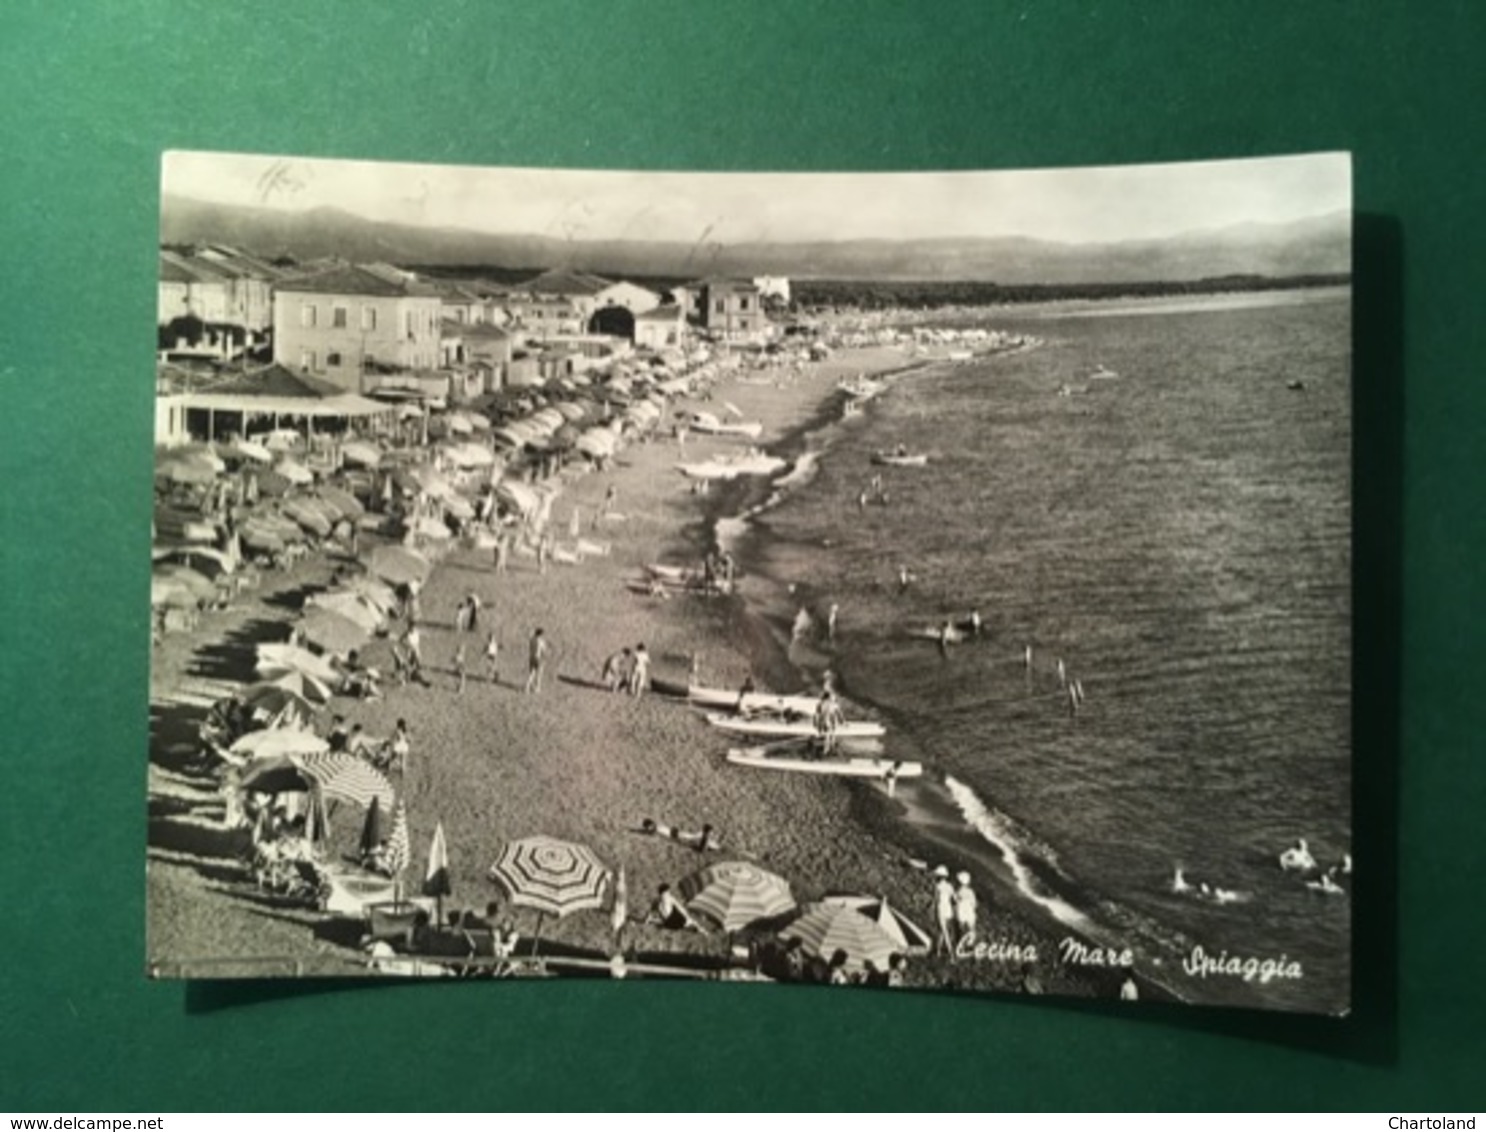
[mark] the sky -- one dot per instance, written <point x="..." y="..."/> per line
<point x="1100" y="204"/>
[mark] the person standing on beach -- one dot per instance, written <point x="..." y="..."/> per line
<point x="946" y="634"/>
<point x="639" y="677"/>
<point x="542" y="553"/>
<point x="536" y="660"/>
<point x="944" y="910"/>
<point x="965" y="910"/>
<point x="831" y="621"/>
<point x="412" y="641"/>
<point x="459" y="666"/>
<point x="492" y="657"/>
<point x="904" y="577"/>
<point x="502" y="550"/>
<point x="462" y="616"/>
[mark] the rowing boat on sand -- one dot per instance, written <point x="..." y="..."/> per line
<point x="787" y="726"/>
<point x="762" y="759"/>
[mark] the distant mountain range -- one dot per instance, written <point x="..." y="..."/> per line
<point x="1316" y="245"/>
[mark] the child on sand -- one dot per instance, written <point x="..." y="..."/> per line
<point x="459" y="666"/>
<point x="536" y="659"/>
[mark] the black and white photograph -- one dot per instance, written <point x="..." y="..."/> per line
<point x="921" y="581"/>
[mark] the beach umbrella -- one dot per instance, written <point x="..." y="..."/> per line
<point x="249" y="450"/>
<point x="480" y="421"/>
<point x="430" y="527"/>
<point x="343" y="775"/>
<point x="375" y="592"/>
<point x="734" y="894"/>
<point x="398" y="565"/>
<point x="201" y="587"/>
<point x="824" y="929"/>
<point x="372" y="834"/>
<point x="571" y="410"/>
<point x="351" y="606"/>
<point x="517" y="495"/>
<point x="554" y="877"/>
<point x="278" y="742"/>
<point x="409" y="412"/>
<point x="331" y="631"/>
<point x="187" y="471"/>
<point x="282" y="657"/>
<point x="166" y="593"/>
<point x="436" y="872"/>
<point x="307" y="517"/>
<point x="205" y="560"/>
<point x="619" y="912"/>
<point x="399" y="848"/>
<point x="459" y="424"/>
<point x="348" y="505"/>
<point x="294" y="472"/>
<point x="271" y="483"/>
<point x="459" y="507"/>
<point x="303" y="685"/>
<point x="280" y="438"/>
<point x="360" y="453"/>
<point x="910" y="938"/>
<point x="272" y="698"/>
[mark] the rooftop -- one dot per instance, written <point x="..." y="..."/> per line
<point x="356" y="279"/>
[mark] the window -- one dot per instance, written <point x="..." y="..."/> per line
<point x="720" y="306"/>
<point x="407" y="323"/>
<point x="307" y="359"/>
<point x="368" y="318"/>
<point x="742" y="324"/>
<point x="338" y="318"/>
<point x="332" y="359"/>
<point x="306" y="314"/>
<point x="743" y="303"/>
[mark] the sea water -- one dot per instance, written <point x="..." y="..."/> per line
<point x="1178" y="536"/>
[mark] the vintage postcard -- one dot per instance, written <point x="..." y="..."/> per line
<point x="884" y="580"/>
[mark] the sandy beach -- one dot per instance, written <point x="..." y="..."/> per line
<point x="573" y="760"/>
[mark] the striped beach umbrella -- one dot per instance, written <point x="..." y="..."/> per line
<point x="399" y="850"/>
<point x="554" y="877"/>
<point x="824" y="929"/>
<point x="343" y="775"/>
<point x="734" y="894"/>
<point x="910" y="938"/>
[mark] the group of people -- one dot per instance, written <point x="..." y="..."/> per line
<point x="627" y="670"/>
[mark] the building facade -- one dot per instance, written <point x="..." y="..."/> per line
<point x="660" y="328"/>
<point x="340" y="323"/>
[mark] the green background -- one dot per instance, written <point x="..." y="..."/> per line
<point x="93" y="92"/>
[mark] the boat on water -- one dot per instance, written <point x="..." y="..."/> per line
<point x="791" y="725"/>
<point x="768" y="758"/>
<point x="1103" y="373"/>
<point x="900" y="459"/>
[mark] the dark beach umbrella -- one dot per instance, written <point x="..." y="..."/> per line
<point x="372" y="834"/>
